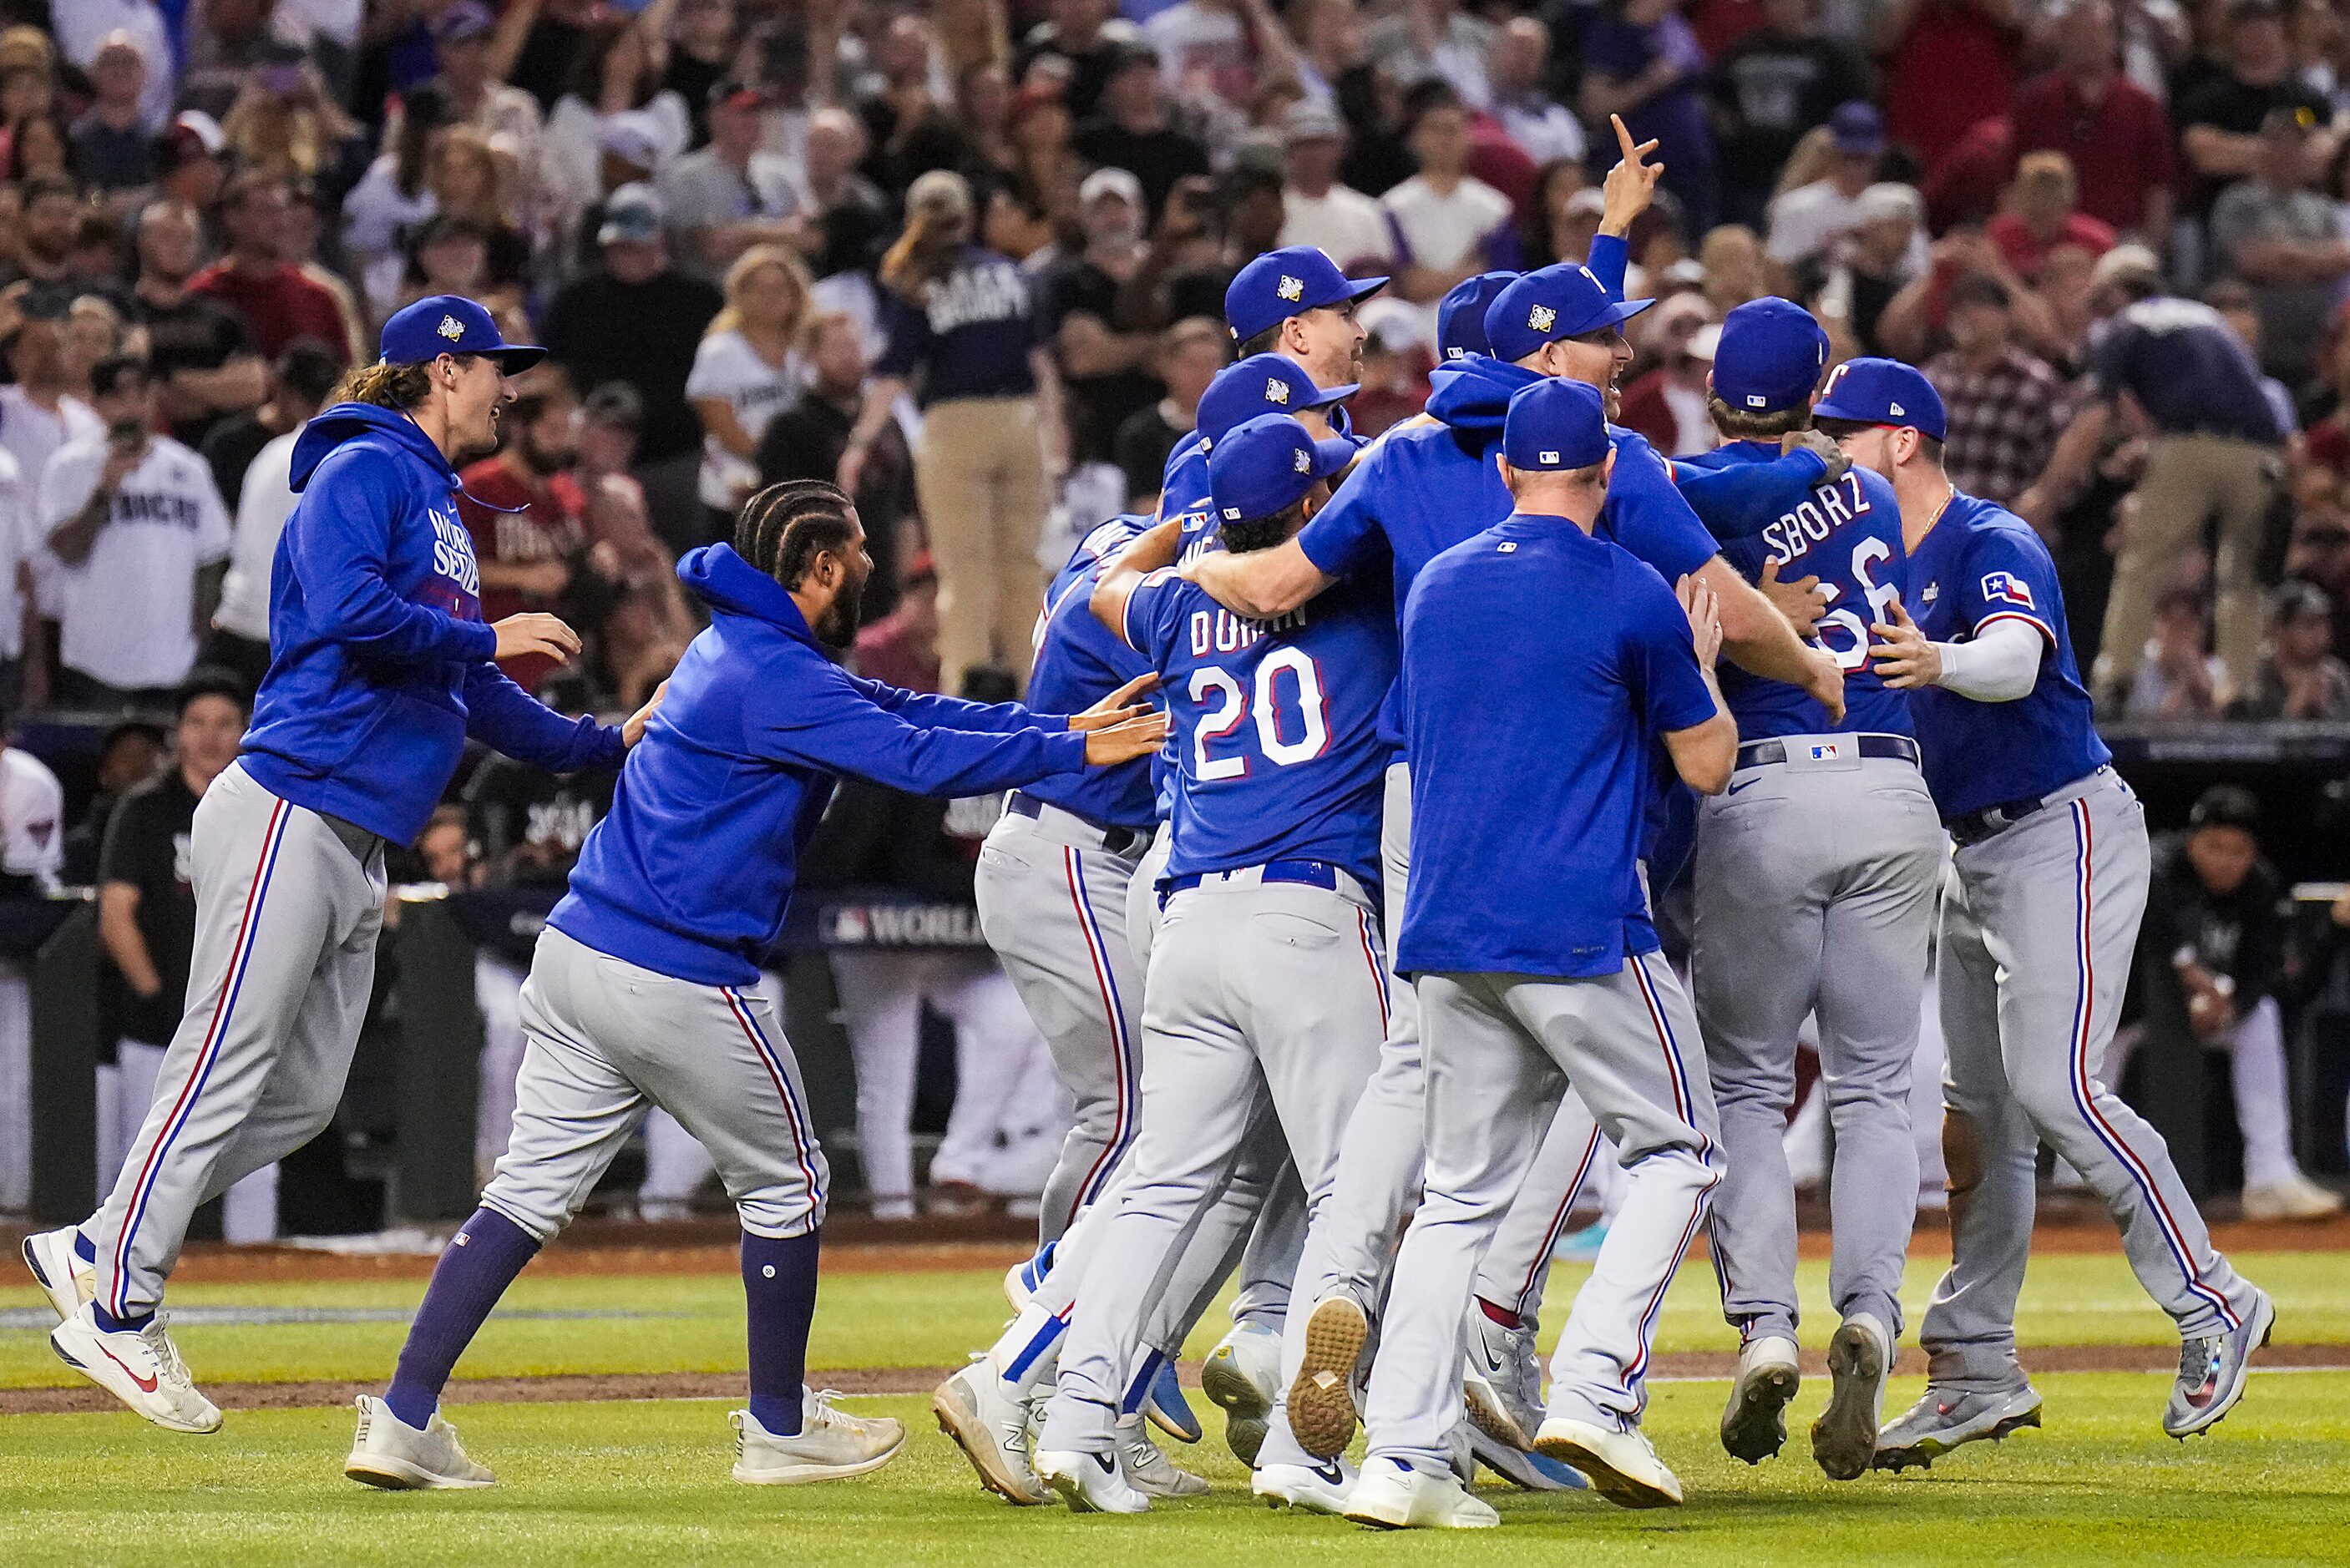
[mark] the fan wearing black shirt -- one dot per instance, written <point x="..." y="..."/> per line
<point x="1769" y="89"/>
<point x="2219" y="114"/>
<point x="1095" y="319"/>
<point x="202" y="354"/>
<point x="1137" y="131"/>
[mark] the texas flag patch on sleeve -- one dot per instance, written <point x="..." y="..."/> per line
<point x="2006" y="588"/>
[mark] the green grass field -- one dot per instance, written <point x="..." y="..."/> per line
<point x="588" y="1485"/>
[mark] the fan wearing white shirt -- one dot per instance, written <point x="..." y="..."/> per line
<point x="240" y="638"/>
<point x="32" y="851"/>
<point x="1449" y="225"/>
<point x="1337" y="220"/>
<point x="747" y="371"/>
<point x="131" y="518"/>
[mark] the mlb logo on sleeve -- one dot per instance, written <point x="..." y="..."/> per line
<point x="2006" y="588"/>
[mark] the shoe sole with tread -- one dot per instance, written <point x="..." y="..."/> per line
<point x="1322" y="1398"/>
<point x="1844" y="1438"/>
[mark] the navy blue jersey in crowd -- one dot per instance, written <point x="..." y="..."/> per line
<point x="1276" y="723"/>
<point x="1541" y="669"/>
<point x="1979" y="563"/>
<point x="1079" y="661"/>
<point x="970" y="336"/>
<point x="1846" y="533"/>
<point x="2187" y="367"/>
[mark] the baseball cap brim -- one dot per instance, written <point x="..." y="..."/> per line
<point x="513" y="358"/>
<point x="1330" y="396"/>
<point x="1361" y="288"/>
<point x="1333" y="454"/>
<point x="1615" y="315"/>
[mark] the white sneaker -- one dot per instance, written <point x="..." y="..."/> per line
<point x="1148" y="1470"/>
<point x="64" y="1278"/>
<point x="1860" y="1359"/>
<point x="1394" y="1496"/>
<point x="1089" y="1483"/>
<point x="831" y="1443"/>
<point x="1481" y="1401"/>
<point x="1754" y="1422"/>
<point x="142" y="1369"/>
<point x="391" y="1454"/>
<point x="1621" y="1466"/>
<point x="1242" y="1376"/>
<point x="2296" y="1198"/>
<point x="1506" y="1361"/>
<point x="990" y="1424"/>
<point x="1316" y="1488"/>
<point x="1321" y="1394"/>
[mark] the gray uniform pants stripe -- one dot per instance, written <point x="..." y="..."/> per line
<point x="606" y="1041"/>
<point x="288" y="907"/>
<point x="2039" y="924"/>
<point x="1500" y="1052"/>
<point x="1815" y="890"/>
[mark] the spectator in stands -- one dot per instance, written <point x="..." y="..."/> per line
<point x="258" y="279"/>
<point x="2218" y="119"/>
<point x="30" y="852"/>
<point x="1318" y="208"/>
<point x="198" y="348"/>
<point x="1098" y="321"/>
<point x="133" y="518"/>
<point x="847" y="215"/>
<point x="1083" y="35"/>
<point x="2006" y="407"/>
<point x="465" y="44"/>
<point x="729" y="196"/>
<point x="1884" y="250"/>
<point x="2300" y="676"/>
<point x="286" y="123"/>
<point x="637" y="320"/>
<point x="747" y="369"/>
<point x="526" y="515"/>
<point x="83" y="27"/>
<point x="1668" y="404"/>
<point x="2042" y="214"/>
<point x="1948" y="66"/>
<point x="1189" y="355"/>
<point x="1732" y="263"/>
<point x="960" y="325"/>
<point x="147" y="930"/>
<point x="1640" y="61"/>
<point x="2112" y="131"/>
<point x="1438" y="40"/>
<point x="93" y="332"/>
<point x="2279" y="233"/>
<point x="252" y="458"/>
<point x="908" y="131"/>
<point x="806" y="439"/>
<point x="53" y="210"/>
<point x="612" y="105"/>
<point x="2216" y="923"/>
<point x="1449" y="224"/>
<point x="113" y="146"/>
<point x="37" y="416"/>
<point x="468" y="181"/>
<point x="2319" y="554"/>
<point x="1137" y="131"/>
<point x="1810" y="217"/>
<point x="646" y="623"/>
<point x="1522" y="105"/>
<point x="129" y="753"/>
<point x="2234" y="300"/>
<point x="225" y="44"/>
<point x="2178" y="676"/>
<point x="1769" y="89"/>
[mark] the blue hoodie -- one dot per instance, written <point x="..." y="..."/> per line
<point x="380" y="663"/>
<point x="691" y="874"/>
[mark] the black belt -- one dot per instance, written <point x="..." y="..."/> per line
<point x="1763" y="753"/>
<point x="1977" y="825"/>
<point x="1116" y="841"/>
<point x="1312" y="873"/>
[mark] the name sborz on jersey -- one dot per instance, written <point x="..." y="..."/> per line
<point x="1833" y="505"/>
<point x="452" y="553"/>
<point x="1222" y="631"/>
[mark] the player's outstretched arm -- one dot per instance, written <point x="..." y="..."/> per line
<point x="1759" y="640"/>
<point x="1999" y="664"/>
<point x="506" y="718"/>
<point x="1152" y="550"/>
<point x="1260" y="584"/>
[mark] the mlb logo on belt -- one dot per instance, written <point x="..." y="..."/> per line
<point x="1826" y="750"/>
<point x="2008" y="589"/>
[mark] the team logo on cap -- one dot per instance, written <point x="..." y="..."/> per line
<point x="1292" y="289"/>
<point x="1541" y="318"/>
<point x="1893" y="408"/>
<point x="2007" y="587"/>
<point x="1546" y="457"/>
<point x="1304" y="464"/>
<point x="451" y="328"/>
<point x="1276" y="390"/>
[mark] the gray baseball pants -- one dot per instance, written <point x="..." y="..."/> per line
<point x="288" y="907"/>
<point x="1816" y="886"/>
<point x="1263" y="996"/>
<point x="606" y="1041"/>
<point x="1502" y="1050"/>
<point x="2039" y="924"/>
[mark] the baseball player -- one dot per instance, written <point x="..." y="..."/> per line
<point x="1420" y="491"/>
<point x="1815" y="880"/>
<point x="1267" y="992"/>
<point x="640" y="990"/>
<point x="1526" y="932"/>
<point x="2039" y="920"/>
<point x="382" y="670"/>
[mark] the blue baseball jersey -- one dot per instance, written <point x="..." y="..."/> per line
<point x="1847" y="532"/>
<point x="1542" y="668"/>
<point x="1276" y="723"/>
<point x="1079" y="661"/>
<point x="1979" y="563"/>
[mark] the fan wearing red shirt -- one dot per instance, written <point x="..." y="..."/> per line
<point x="1953" y="64"/>
<point x="257" y="280"/>
<point x="2042" y="215"/>
<point x="2115" y="131"/>
<point x="527" y="553"/>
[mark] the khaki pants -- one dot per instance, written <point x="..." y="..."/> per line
<point x="2190" y="479"/>
<point x="979" y="476"/>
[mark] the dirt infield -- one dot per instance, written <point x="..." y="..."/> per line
<point x="906" y="1380"/>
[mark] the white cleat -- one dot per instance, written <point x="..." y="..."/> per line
<point x="1313" y="1488"/>
<point x="1089" y="1483"/>
<point x="1242" y="1376"/>
<point x="1620" y="1464"/>
<point x="64" y="1278"/>
<point x="1523" y="1468"/>
<point x="2294" y="1198"/>
<point x="988" y="1423"/>
<point x="142" y="1368"/>
<point x="1393" y="1496"/>
<point x="1754" y="1422"/>
<point x="1148" y="1470"/>
<point x="830" y="1444"/>
<point x="393" y="1455"/>
<point x="1506" y="1362"/>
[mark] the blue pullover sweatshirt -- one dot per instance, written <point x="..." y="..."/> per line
<point x="691" y="874"/>
<point x="379" y="662"/>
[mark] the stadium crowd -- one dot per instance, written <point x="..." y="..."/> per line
<point x="970" y="256"/>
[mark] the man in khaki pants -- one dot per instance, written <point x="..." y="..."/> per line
<point x="2217" y="453"/>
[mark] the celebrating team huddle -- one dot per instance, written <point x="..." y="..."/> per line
<point x="1354" y="938"/>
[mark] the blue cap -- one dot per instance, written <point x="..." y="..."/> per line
<point x="1264" y="465"/>
<point x="1770" y="357"/>
<point x="1289" y="282"/>
<point x="1262" y="384"/>
<point x="1556" y="426"/>
<point x="450" y="324"/>
<point x="1883" y="392"/>
<point x="1565" y="300"/>
<point x="1461" y="314"/>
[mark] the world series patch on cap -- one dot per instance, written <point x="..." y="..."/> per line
<point x="1566" y="300"/>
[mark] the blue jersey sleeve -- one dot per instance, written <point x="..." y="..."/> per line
<point x="906" y="330"/>
<point x="2008" y="576"/>
<point x="1660" y="658"/>
<point x="1154" y="610"/>
<point x="506" y="718"/>
<point x="1337" y="539"/>
<point x="1735" y="500"/>
<point x="1647" y="516"/>
<point x="339" y="544"/>
<point x="933" y="712"/>
<point x="836" y="727"/>
<point x="1609" y="256"/>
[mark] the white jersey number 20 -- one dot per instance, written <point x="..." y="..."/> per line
<point x="1232" y="706"/>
